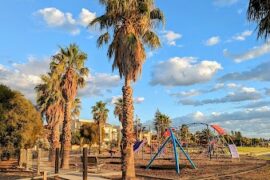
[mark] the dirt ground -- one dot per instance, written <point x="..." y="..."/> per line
<point x="221" y="168"/>
<point x="164" y="168"/>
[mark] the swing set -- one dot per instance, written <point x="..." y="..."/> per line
<point x="176" y="144"/>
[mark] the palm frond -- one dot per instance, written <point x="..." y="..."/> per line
<point x="103" y="39"/>
<point x="151" y="39"/>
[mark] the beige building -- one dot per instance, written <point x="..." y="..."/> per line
<point x="76" y="124"/>
<point x="112" y="133"/>
<point x="146" y="135"/>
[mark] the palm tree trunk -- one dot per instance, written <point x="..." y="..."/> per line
<point x="66" y="140"/>
<point x="128" y="168"/>
<point x="99" y="136"/>
<point x="55" y="141"/>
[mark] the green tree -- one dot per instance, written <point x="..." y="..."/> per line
<point x="258" y="11"/>
<point x="69" y="63"/>
<point x="161" y="123"/>
<point x="131" y="25"/>
<point x="20" y="122"/>
<point x="89" y="134"/>
<point x="76" y="138"/>
<point x="184" y="133"/>
<point x="100" y="116"/>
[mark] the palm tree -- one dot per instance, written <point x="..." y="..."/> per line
<point x="50" y="104"/>
<point x="100" y="116"/>
<point x="118" y="109"/>
<point x="131" y="23"/>
<point x="259" y="11"/>
<point x="161" y="123"/>
<point x="69" y="63"/>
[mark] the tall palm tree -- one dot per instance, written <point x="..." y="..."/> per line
<point x="100" y="116"/>
<point x="50" y="104"/>
<point x="131" y="23"/>
<point x="118" y="109"/>
<point x="259" y="11"/>
<point x="69" y="62"/>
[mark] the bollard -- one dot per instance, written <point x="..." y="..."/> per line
<point x="84" y="159"/>
<point x="56" y="165"/>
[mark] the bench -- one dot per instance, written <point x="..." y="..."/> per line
<point x="93" y="162"/>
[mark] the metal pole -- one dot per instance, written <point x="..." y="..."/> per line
<point x="175" y="152"/>
<point x="84" y="159"/>
<point x="187" y="156"/>
<point x="56" y="163"/>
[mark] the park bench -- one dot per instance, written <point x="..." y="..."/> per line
<point x="93" y="162"/>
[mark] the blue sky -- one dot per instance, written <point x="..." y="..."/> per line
<point x="211" y="66"/>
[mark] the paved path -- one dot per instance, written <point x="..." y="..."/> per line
<point x="100" y="176"/>
<point x="78" y="176"/>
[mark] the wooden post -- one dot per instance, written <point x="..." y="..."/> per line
<point x="27" y="159"/>
<point x="38" y="161"/>
<point x="21" y="158"/>
<point x="45" y="175"/>
<point x="56" y="165"/>
<point x="142" y="153"/>
<point x="84" y="159"/>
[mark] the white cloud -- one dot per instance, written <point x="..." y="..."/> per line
<point x="242" y="36"/>
<point x="225" y="2"/>
<point x="24" y="77"/>
<point x="54" y="18"/>
<point x="98" y="84"/>
<point x="251" y="54"/>
<point x="258" y="73"/>
<point x="253" y="122"/>
<point x="57" y="19"/>
<point x="171" y="37"/>
<point x="179" y="71"/>
<point x="232" y="85"/>
<point x="239" y="95"/>
<point x="190" y="93"/>
<point x="136" y="100"/>
<point x="267" y="91"/>
<point x="198" y="116"/>
<point x="86" y="17"/>
<point x="212" y="41"/>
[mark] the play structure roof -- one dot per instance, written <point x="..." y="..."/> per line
<point x="218" y="129"/>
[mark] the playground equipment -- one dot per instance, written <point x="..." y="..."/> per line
<point x="216" y="143"/>
<point x="138" y="145"/>
<point x="227" y="143"/>
<point x="175" y="143"/>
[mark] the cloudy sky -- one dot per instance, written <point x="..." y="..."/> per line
<point x="210" y="68"/>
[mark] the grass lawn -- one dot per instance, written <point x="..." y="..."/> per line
<point x="260" y="152"/>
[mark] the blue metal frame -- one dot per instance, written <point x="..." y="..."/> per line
<point x="175" y="152"/>
<point x="175" y="142"/>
